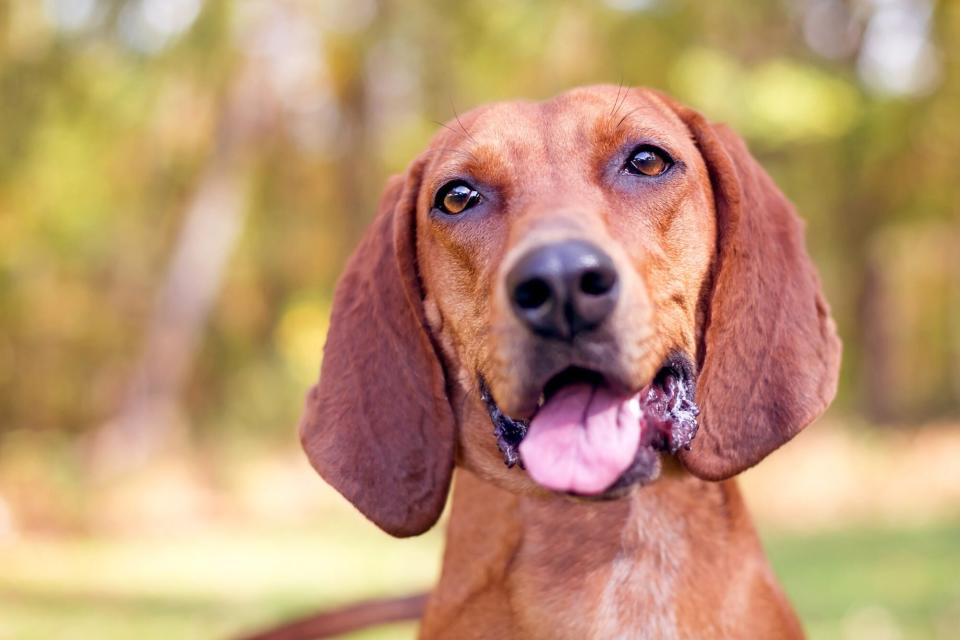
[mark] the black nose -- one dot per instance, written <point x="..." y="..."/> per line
<point x="562" y="289"/>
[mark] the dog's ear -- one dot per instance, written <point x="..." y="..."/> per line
<point x="378" y="426"/>
<point x="770" y="355"/>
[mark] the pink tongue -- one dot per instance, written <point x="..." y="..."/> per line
<point x="582" y="439"/>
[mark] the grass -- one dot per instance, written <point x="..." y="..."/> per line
<point x="873" y="583"/>
<point x="212" y="584"/>
<point x="863" y="583"/>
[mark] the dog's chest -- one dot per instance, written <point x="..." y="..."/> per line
<point x="600" y="584"/>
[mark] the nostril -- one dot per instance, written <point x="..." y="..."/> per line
<point x="597" y="282"/>
<point x="532" y="293"/>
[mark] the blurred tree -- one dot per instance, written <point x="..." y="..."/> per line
<point x="200" y="169"/>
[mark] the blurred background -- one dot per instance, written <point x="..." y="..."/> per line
<point x="181" y="181"/>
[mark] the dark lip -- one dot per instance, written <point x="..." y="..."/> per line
<point x="508" y="431"/>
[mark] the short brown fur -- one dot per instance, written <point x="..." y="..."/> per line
<point x="712" y="263"/>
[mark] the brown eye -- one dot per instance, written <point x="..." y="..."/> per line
<point x="456" y="197"/>
<point x="649" y="161"/>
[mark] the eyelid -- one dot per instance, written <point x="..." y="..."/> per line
<point x="447" y="185"/>
<point x="647" y="146"/>
<point x="449" y="175"/>
<point x="447" y="181"/>
<point x="628" y="149"/>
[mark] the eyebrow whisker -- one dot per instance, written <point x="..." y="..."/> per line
<point x="445" y="126"/>
<point x="613" y="109"/>
<point x="456" y="115"/>
<point x="620" y="100"/>
<point x="625" y="116"/>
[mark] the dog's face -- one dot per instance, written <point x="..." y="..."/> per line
<point x="564" y="259"/>
<point x="560" y="285"/>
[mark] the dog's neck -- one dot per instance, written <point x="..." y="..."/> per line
<point x="675" y="559"/>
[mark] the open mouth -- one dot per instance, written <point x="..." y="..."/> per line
<point x="588" y="438"/>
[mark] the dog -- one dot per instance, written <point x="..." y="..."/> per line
<point x="598" y="309"/>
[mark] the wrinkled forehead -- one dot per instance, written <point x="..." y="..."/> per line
<point x="498" y="143"/>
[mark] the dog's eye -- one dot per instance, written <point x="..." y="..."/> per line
<point x="456" y="197"/>
<point x="649" y="161"/>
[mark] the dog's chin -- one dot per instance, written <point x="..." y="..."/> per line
<point x="592" y="439"/>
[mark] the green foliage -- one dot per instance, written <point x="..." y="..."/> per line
<point x="104" y="144"/>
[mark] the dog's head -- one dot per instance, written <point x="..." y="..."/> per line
<point x="574" y="287"/>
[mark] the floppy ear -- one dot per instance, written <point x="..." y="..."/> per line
<point x="378" y="425"/>
<point x="771" y="355"/>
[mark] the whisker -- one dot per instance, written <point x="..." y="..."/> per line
<point x="613" y="109"/>
<point x="621" y="99"/>
<point x="456" y="115"/>
<point x="625" y="116"/>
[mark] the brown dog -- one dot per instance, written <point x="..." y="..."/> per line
<point x="549" y="285"/>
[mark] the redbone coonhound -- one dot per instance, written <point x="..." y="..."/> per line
<point x="599" y="309"/>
